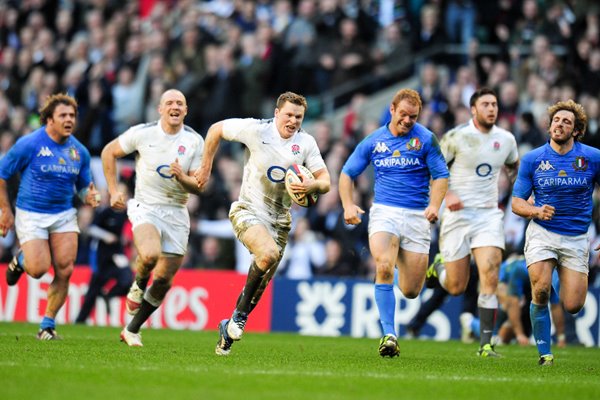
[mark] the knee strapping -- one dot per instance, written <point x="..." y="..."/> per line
<point x="157" y="292"/>
<point x="487" y="301"/>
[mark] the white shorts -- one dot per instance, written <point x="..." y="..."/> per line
<point x="411" y="226"/>
<point x="172" y="223"/>
<point x="31" y="225"/>
<point x="468" y="229"/>
<point x="571" y="252"/>
<point x="243" y="215"/>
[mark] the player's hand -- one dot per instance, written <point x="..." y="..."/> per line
<point x="545" y="212"/>
<point x="431" y="213"/>
<point x="305" y="186"/>
<point x="201" y="176"/>
<point x="352" y="215"/>
<point x="117" y="201"/>
<point x="176" y="170"/>
<point x="92" y="197"/>
<point x="110" y="238"/>
<point x="453" y="202"/>
<point x="522" y="340"/>
<point x="7" y="221"/>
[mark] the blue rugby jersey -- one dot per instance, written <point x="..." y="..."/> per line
<point x="403" y="165"/>
<point x="50" y="172"/>
<point x="563" y="181"/>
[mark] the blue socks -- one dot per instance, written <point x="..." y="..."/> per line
<point x="386" y="304"/>
<point x="540" y="323"/>
<point x="48" y="323"/>
<point x="475" y="325"/>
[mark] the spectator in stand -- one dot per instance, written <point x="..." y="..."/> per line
<point x="428" y="33"/>
<point x="299" y="42"/>
<point x="390" y="54"/>
<point x="335" y="264"/>
<point x="305" y="251"/>
<point x="108" y="260"/>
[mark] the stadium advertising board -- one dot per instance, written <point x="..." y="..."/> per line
<point x="198" y="300"/>
<point x="347" y="307"/>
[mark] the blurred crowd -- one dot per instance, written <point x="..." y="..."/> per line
<point x="231" y="58"/>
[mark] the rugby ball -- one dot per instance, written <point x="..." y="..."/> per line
<point x="292" y="176"/>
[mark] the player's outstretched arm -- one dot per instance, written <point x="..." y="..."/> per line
<point x="211" y="145"/>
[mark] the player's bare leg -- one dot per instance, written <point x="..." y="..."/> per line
<point x="164" y="272"/>
<point x="63" y="252"/>
<point x="147" y="243"/>
<point x="266" y="258"/>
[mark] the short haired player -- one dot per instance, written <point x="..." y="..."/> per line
<point x="167" y="154"/>
<point x="411" y="179"/>
<point x="261" y="217"/>
<point x="472" y="223"/>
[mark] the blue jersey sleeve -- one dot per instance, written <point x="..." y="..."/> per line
<point x="523" y="186"/>
<point x="436" y="161"/>
<point x="359" y="159"/>
<point x="17" y="158"/>
<point x="85" y="174"/>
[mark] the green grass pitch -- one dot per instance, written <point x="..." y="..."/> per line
<point x="91" y="363"/>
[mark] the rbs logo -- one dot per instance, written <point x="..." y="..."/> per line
<point x="163" y="171"/>
<point x="276" y="174"/>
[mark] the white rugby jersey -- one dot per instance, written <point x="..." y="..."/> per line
<point x="475" y="160"/>
<point x="156" y="150"/>
<point x="267" y="158"/>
